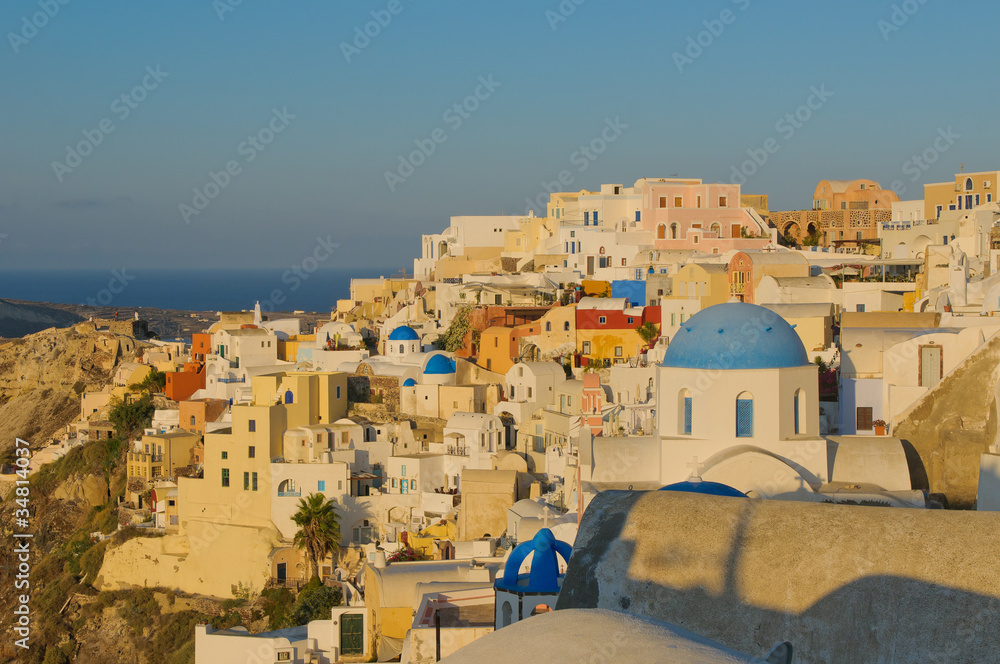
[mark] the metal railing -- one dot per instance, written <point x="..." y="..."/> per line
<point x="289" y="494"/>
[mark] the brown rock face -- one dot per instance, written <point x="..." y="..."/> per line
<point x="952" y="425"/>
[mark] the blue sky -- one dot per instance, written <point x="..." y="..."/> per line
<point x="555" y="85"/>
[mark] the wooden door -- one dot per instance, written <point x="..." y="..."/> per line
<point x="352" y="634"/>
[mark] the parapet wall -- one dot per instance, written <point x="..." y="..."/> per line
<point x="842" y="583"/>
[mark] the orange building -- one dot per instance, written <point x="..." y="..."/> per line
<point x="844" y="213"/>
<point x="182" y="384"/>
<point x="194" y="413"/>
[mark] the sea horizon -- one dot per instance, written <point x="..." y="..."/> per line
<point x="191" y="289"/>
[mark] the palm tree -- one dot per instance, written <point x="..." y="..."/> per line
<point x="319" y="528"/>
<point x="648" y="331"/>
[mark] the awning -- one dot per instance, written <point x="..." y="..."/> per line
<point x="389" y="649"/>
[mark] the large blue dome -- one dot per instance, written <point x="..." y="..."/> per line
<point x="404" y="333"/>
<point x="707" y="488"/>
<point x="735" y="335"/>
<point x="440" y="364"/>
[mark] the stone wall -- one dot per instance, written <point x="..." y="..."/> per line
<point x="952" y="425"/>
<point x="841" y="583"/>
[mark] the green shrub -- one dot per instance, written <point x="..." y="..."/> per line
<point x="276" y="603"/>
<point x="229" y="604"/>
<point x="314" y="603"/>
<point x="91" y="561"/>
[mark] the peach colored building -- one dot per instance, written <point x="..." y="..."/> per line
<point x="686" y="213"/>
<point x="747" y="268"/>
<point x="195" y="413"/>
<point x="845" y="213"/>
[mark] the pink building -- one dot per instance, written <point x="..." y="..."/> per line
<point x="688" y="214"/>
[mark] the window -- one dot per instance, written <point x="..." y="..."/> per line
<point x="722" y="201"/>
<point x="321" y="485"/>
<point x="595" y="217"/>
<point x="698" y="201"/>
<point x="246" y="481"/>
<point x="744" y="415"/>
<point x="251" y="452"/>
<point x="631" y="321"/>
<point x="284" y="656"/>
<point x="253" y="484"/>
<point x="638" y="215"/>
<point x="393" y="482"/>
<point x="225" y="477"/>
<point x="572" y="233"/>
<point x="586" y="348"/>
<point x="192" y="420"/>
<point x="864" y="418"/>
<point x="404" y="471"/>
<point x="685" y="404"/>
<point x="529" y="393"/>
<point x="413" y="485"/>
<point x="860" y="308"/>
<point x="661" y="232"/>
<point x="623" y="262"/>
<point x="618" y="351"/>
<point x="663" y="202"/>
<point x="566" y="326"/>
<point x="548" y="326"/>
<point x="252" y="425"/>
<point x="795" y="410"/>
<point x="968" y="184"/>
<point x="586" y="218"/>
<point x="678" y="201"/>
<point x="338" y="391"/>
<point x="225" y="454"/>
<point x="977" y="199"/>
<point x="673" y="319"/>
<point x="602" y="320"/>
<point x="673" y="231"/>
<point x="989" y="199"/>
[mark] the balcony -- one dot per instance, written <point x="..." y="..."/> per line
<point x="226" y="381"/>
<point x="289" y="494"/>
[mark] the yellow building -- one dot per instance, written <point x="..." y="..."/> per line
<point x="158" y="455"/>
<point x="966" y="192"/>
<point x="288" y="349"/>
<point x="706" y="282"/>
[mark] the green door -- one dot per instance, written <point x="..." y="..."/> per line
<point x="352" y="634"/>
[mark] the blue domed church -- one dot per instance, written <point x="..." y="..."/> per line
<point x="738" y="403"/>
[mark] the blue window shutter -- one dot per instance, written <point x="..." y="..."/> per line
<point x="321" y="485"/>
<point x="744" y="418"/>
<point x="638" y="215"/>
<point x="586" y="218"/>
<point x="687" y="416"/>
<point x="595" y="217"/>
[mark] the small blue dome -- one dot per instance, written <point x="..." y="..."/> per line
<point x="440" y="364"/>
<point x="544" y="575"/>
<point x="735" y="335"/>
<point x="708" y="488"/>
<point x="409" y="382"/>
<point x="404" y="333"/>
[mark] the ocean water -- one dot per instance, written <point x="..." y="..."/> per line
<point x="195" y="290"/>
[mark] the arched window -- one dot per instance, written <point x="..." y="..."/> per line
<point x="673" y="231"/>
<point x="744" y="415"/>
<point x="685" y="412"/>
<point x="288" y="396"/>
<point x="717" y="229"/>
<point x="548" y="326"/>
<point x="799" y="406"/>
<point x="968" y="184"/>
<point x="506" y="613"/>
<point x="566" y="326"/>
<point x="661" y="232"/>
<point x="402" y="348"/>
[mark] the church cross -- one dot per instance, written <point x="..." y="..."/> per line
<point x="696" y="468"/>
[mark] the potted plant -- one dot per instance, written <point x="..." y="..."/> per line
<point x="880" y="427"/>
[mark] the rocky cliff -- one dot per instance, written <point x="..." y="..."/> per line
<point x="42" y="376"/>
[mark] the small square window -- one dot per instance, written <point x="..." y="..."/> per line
<point x="602" y="320"/>
<point x="663" y="202"/>
<point x="618" y="351"/>
<point x="678" y="201"/>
